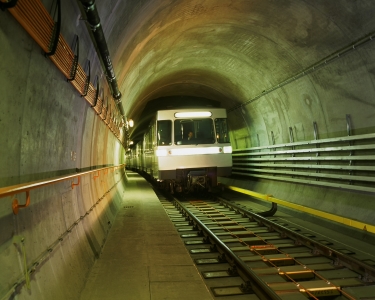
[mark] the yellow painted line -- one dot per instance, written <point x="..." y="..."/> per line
<point x="321" y="214"/>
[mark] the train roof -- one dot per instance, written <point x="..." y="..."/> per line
<point x="168" y="103"/>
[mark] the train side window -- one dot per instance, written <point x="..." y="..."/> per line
<point x="164" y="133"/>
<point x="222" y="134"/>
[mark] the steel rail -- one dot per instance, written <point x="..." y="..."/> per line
<point x="367" y="271"/>
<point x="256" y="283"/>
<point x="27" y="187"/>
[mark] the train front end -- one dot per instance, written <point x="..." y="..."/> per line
<point x="193" y="149"/>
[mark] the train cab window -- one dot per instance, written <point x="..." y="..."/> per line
<point x="194" y="131"/>
<point x="164" y="133"/>
<point x="222" y="134"/>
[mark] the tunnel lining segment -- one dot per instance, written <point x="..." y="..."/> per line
<point x="38" y="262"/>
<point x="309" y="70"/>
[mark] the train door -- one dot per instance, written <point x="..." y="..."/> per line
<point x="163" y="140"/>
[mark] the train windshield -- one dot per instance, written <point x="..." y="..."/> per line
<point x="164" y="133"/>
<point x="194" y="131"/>
<point x="221" y="126"/>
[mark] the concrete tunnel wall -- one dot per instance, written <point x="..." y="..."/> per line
<point x="230" y="51"/>
<point x="48" y="130"/>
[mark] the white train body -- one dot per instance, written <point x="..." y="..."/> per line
<point x="181" y="163"/>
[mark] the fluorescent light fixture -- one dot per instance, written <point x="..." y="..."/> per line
<point x="161" y="152"/>
<point x="192" y="114"/>
<point x="227" y="149"/>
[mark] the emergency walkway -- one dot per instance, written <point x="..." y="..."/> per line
<point x="144" y="257"/>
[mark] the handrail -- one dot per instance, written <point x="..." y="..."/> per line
<point x="38" y="262"/>
<point x="27" y="187"/>
<point x="36" y="20"/>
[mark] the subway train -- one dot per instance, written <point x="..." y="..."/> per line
<point x="184" y="150"/>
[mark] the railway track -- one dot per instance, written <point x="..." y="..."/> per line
<point x="247" y="255"/>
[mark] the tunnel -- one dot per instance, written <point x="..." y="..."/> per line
<point x="292" y="75"/>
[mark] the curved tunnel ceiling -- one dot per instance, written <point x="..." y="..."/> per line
<point x="232" y="51"/>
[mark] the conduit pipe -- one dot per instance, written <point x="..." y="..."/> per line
<point x="92" y="18"/>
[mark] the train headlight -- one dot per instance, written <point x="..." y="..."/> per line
<point x="227" y="149"/>
<point x="161" y="152"/>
